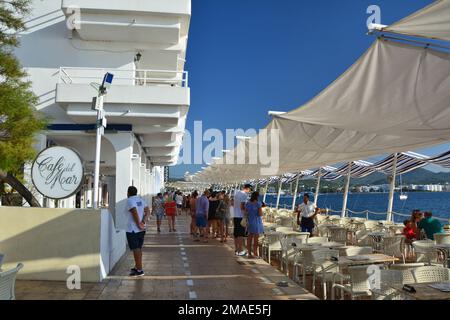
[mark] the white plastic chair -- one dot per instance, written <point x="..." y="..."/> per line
<point x="363" y="238"/>
<point x="317" y="240"/>
<point x="371" y="225"/>
<point x="338" y="235"/>
<point x="287" y="252"/>
<point x="442" y="238"/>
<point x="385" y="291"/>
<point x="356" y="251"/>
<point x="425" y="251"/>
<point x="271" y="243"/>
<point x="324" y="268"/>
<point x="7" y="283"/>
<point x="357" y="283"/>
<point x="299" y="238"/>
<point x="394" y="246"/>
<point x="431" y="274"/>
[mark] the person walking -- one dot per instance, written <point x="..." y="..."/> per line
<point x="223" y="215"/>
<point x="137" y="214"/>
<point x="158" y="210"/>
<point x="187" y="204"/>
<point x="307" y="210"/>
<point x="179" y="202"/>
<point x="171" y="211"/>
<point x="255" y="225"/>
<point x="201" y="215"/>
<point x="212" y="215"/>
<point x="192" y="204"/>
<point x="240" y="198"/>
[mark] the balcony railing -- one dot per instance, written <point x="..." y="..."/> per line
<point x="136" y="77"/>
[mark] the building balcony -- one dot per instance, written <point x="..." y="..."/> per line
<point x="154" y="103"/>
<point x="156" y="21"/>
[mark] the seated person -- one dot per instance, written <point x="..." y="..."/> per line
<point x="430" y="225"/>
<point x="408" y="231"/>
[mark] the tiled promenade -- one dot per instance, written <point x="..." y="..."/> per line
<point x="176" y="267"/>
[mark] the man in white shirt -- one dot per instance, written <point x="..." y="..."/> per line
<point x="307" y="211"/>
<point x="179" y="201"/>
<point x="137" y="213"/>
<point x="240" y="198"/>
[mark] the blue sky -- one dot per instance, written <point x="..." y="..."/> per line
<point x="246" y="57"/>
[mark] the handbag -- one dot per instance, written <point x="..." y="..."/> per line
<point x="244" y="222"/>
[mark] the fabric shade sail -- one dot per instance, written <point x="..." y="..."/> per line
<point x="431" y="22"/>
<point x="395" y="98"/>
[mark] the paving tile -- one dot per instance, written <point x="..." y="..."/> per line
<point x="212" y="269"/>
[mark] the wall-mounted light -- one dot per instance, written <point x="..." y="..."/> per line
<point x="137" y="57"/>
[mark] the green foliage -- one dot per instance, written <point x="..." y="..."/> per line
<point x="19" y="121"/>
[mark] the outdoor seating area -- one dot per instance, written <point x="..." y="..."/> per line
<point x="349" y="258"/>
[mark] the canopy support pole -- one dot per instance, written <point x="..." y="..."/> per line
<point x="316" y="196"/>
<point x="392" y="189"/>
<point x="347" y="186"/>
<point x="265" y="191"/>
<point x="279" y="193"/>
<point x="294" y="196"/>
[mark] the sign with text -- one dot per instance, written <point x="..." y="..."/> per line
<point x="57" y="172"/>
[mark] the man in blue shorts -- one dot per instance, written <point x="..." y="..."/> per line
<point x="137" y="214"/>
<point x="201" y="214"/>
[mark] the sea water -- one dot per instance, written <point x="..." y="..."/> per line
<point x="436" y="202"/>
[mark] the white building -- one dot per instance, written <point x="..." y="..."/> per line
<point x="143" y="43"/>
<point x="67" y="48"/>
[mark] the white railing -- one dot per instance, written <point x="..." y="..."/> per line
<point x="136" y="77"/>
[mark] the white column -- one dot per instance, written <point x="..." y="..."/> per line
<point x="392" y="189"/>
<point x="316" y="196"/>
<point x="123" y="145"/>
<point x="141" y="185"/>
<point x="265" y="192"/>
<point x="135" y="162"/>
<point x="280" y="183"/>
<point x="295" y="192"/>
<point x="347" y="185"/>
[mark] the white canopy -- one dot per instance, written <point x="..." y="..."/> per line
<point x="395" y="98"/>
<point x="431" y="22"/>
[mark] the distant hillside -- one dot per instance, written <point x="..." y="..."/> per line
<point x="419" y="176"/>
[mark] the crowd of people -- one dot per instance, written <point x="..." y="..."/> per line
<point x="215" y="213"/>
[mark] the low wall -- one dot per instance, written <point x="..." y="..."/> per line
<point x="47" y="241"/>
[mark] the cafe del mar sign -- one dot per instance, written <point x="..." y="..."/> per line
<point x="57" y="172"/>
